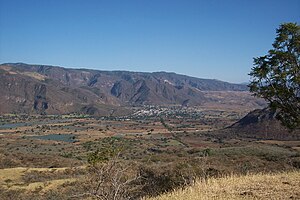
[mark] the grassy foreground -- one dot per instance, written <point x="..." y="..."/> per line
<point x="11" y="178"/>
<point x="285" y="185"/>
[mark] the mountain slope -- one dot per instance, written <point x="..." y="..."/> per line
<point x="262" y="124"/>
<point x="56" y="90"/>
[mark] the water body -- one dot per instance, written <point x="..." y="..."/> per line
<point x="15" y="125"/>
<point x="57" y="137"/>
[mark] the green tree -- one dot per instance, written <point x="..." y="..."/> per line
<point x="276" y="76"/>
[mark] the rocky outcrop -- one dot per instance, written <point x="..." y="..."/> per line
<point x="40" y="104"/>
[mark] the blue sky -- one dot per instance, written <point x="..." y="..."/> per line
<point x="203" y="38"/>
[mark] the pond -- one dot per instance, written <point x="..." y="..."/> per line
<point x="22" y="124"/>
<point x="14" y="125"/>
<point x="56" y="137"/>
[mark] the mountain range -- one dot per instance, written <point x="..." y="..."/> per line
<point x="43" y="89"/>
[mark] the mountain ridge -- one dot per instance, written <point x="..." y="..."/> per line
<point x="120" y="71"/>
<point x="48" y="89"/>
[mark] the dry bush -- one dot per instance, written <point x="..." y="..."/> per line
<point x="25" y="195"/>
<point x="111" y="180"/>
<point x="47" y="175"/>
<point x="9" y="195"/>
<point x="118" y="179"/>
<point x="158" y="179"/>
<point x="7" y="161"/>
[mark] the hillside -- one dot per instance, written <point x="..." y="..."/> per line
<point x="262" y="124"/>
<point x="284" y="185"/>
<point x="56" y="90"/>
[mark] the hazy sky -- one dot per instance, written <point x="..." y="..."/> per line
<point x="203" y="38"/>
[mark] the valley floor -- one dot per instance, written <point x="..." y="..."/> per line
<point x="53" y="157"/>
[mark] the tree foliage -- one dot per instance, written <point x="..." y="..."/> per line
<point x="276" y="76"/>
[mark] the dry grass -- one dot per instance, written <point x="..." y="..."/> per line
<point x="43" y="187"/>
<point x="284" y="185"/>
<point x="11" y="178"/>
<point x="30" y="74"/>
<point x="34" y="75"/>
